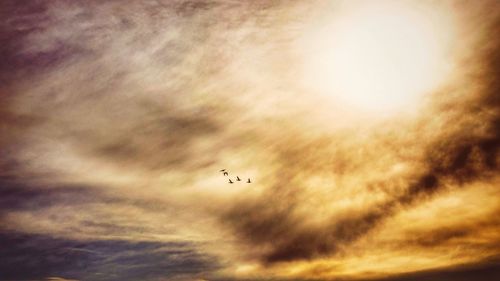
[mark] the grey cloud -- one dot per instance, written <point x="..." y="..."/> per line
<point x="30" y="257"/>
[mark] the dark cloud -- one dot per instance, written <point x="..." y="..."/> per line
<point x="35" y="257"/>
<point x="19" y="196"/>
<point x="482" y="271"/>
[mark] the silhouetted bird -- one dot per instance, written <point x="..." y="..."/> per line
<point x="248" y="181"/>
<point x="230" y="181"/>
<point x="225" y="174"/>
<point x="222" y="170"/>
<point x="238" y="178"/>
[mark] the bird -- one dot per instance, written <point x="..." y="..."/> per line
<point x="248" y="181"/>
<point x="238" y="178"/>
<point x="225" y="174"/>
<point x="222" y="170"/>
<point x="230" y="181"/>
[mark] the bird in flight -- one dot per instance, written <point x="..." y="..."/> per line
<point x="225" y="173"/>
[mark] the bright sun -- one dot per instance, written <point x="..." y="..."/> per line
<point x="379" y="56"/>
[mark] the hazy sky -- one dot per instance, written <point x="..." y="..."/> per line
<point x="369" y="129"/>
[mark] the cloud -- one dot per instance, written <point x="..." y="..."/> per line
<point x="462" y="151"/>
<point x="59" y="279"/>
<point x="37" y="256"/>
<point x="115" y="118"/>
<point x="482" y="271"/>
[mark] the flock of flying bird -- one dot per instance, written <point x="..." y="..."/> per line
<point x="225" y="173"/>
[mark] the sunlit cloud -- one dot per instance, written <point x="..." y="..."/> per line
<point x="369" y="130"/>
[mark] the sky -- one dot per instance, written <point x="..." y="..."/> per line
<point x="369" y="131"/>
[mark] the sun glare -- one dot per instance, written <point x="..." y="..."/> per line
<point x="379" y="57"/>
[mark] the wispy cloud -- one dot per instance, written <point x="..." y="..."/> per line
<point x="34" y="257"/>
<point x="117" y="116"/>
